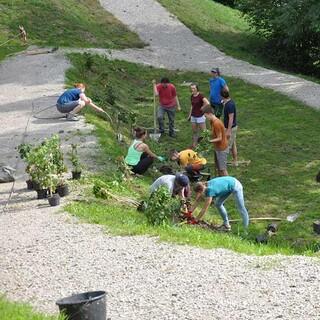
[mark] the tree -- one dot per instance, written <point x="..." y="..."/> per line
<point x="292" y="28"/>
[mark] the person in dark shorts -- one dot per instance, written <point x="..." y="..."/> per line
<point x="72" y="101"/>
<point x="139" y="156"/>
<point x="217" y="83"/>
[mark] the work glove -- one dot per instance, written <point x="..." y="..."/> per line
<point x="161" y="159"/>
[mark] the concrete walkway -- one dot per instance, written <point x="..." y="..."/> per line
<point x="172" y="45"/>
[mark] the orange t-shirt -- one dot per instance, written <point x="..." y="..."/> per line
<point x="218" y="128"/>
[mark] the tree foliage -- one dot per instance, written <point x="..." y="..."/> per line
<point x="292" y="28"/>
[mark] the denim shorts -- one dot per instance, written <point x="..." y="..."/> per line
<point x="67" y="107"/>
<point x="198" y="119"/>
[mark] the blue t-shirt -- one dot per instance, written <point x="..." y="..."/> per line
<point x="220" y="186"/>
<point x="230" y="107"/>
<point x="69" y="95"/>
<point x="216" y="84"/>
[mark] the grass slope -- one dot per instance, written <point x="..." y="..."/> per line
<point x="68" y="23"/>
<point x="277" y="134"/>
<point x="18" y="311"/>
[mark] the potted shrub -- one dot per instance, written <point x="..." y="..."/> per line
<point x="23" y="150"/>
<point x="76" y="165"/>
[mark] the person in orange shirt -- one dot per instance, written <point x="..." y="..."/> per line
<point x="219" y="140"/>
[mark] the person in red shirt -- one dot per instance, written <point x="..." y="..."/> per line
<point x="168" y="101"/>
<point x="198" y="120"/>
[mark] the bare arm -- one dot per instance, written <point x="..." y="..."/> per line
<point x="218" y="138"/>
<point x="205" y="102"/>
<point x="228" y="132"/>
<point x="155" y="90"/>
<point x="226" y="88"/>
<point x="145" y="148"/>
<point x="205" y="207"/>
<point x="189" y="116"/>
<point x="95" y="107"/>
<point x="178" y="104"/>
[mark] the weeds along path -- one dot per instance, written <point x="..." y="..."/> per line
<point x="172" y="45"/>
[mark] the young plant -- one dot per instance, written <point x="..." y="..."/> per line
<point x="161" y="207"/>
<point x="75" y="160"/>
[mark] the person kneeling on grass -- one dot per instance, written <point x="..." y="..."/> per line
<point x="189" y="160"/>
<point x="178" y="184"/>
<point x="220" y="189"/>
<point x="139" y="156"/>
<point x="73" y="100"/>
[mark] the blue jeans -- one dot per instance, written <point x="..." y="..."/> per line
<point x="239" y="199"/>
<point x="171" y="115"/>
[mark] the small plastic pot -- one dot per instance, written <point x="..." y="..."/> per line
<point x="54" y="200"/>
<point x="36" y="185"/>
<point x="29" y="184"/>
<point x="63" y="190"/>
<point x="316" y="227"/>
<point x="42" y="193"/>
<point x="76" y="175"/>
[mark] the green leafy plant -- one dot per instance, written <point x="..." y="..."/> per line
<point x="74" y="158"/>
<point x="204" y="146"/>
<point x="24" y="149"/>
<point x="161" y="207"/>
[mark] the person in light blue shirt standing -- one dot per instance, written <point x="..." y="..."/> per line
<point x="220" y="189"/>
<point x="217" y="83"/>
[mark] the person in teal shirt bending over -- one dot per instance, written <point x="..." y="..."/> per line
<point x="220" y="189"/>
<point x="139" y="156"/>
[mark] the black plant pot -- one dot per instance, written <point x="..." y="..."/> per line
<point x="54" y="200"/>
<point x="76" y="175"/>
<point x="35" y="185"/>
<point x="29" y="184"/>
<point x="42" y="193"/>
<point x="63" y="190"/>
<point x="316" y="227"/>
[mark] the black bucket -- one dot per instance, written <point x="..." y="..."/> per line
<point x="84" y="306"/>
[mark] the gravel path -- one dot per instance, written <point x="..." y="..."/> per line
<point x="174" y="46"/>
<point x="45" y="255"/>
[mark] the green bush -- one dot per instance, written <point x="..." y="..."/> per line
<point x="292" y="29"/>
<point x="161" y="207"/>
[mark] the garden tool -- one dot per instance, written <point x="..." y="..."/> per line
<point x="154" y="136"/>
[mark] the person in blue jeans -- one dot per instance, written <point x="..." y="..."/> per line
<point x="217" y="83"/>
<point x="220" y="189"/>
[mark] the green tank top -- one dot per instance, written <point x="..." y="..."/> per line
<point x="133" y="156"/>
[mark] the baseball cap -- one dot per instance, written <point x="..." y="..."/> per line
<point x="215" y="70"/>
<point x="182" y="180"/>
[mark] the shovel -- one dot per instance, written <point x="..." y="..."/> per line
<point x="154" y="136"/>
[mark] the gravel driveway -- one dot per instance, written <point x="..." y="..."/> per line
<point x="46" y="255"/>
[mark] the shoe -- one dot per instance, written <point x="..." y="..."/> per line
<point x="172" y="135"/>
<point x="224" y="228"/>
<point x="71" y="117"/>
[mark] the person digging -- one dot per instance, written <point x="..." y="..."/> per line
<point x="216" y="191"/>
<point x="72" y="101"/>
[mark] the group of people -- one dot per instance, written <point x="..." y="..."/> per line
<point x="139" y="156"/>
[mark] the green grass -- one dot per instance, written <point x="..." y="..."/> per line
<point x="18" y="311"/>
<point x="224" y="28"/>
<point x="68" y="23"/>
<point x="277" y="134"/>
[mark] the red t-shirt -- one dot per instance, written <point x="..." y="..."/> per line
<point x="197" y="103"/>
<point x="167" y="95"/>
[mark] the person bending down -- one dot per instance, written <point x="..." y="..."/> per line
<point x="189" y="160"/>
<point x="139" y="156"/>
<point x="73" y="100"/>
<point x="220" y="189"/>
<point x="178" y="184"/>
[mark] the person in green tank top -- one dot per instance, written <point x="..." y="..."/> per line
<point x="139" y="156"/>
